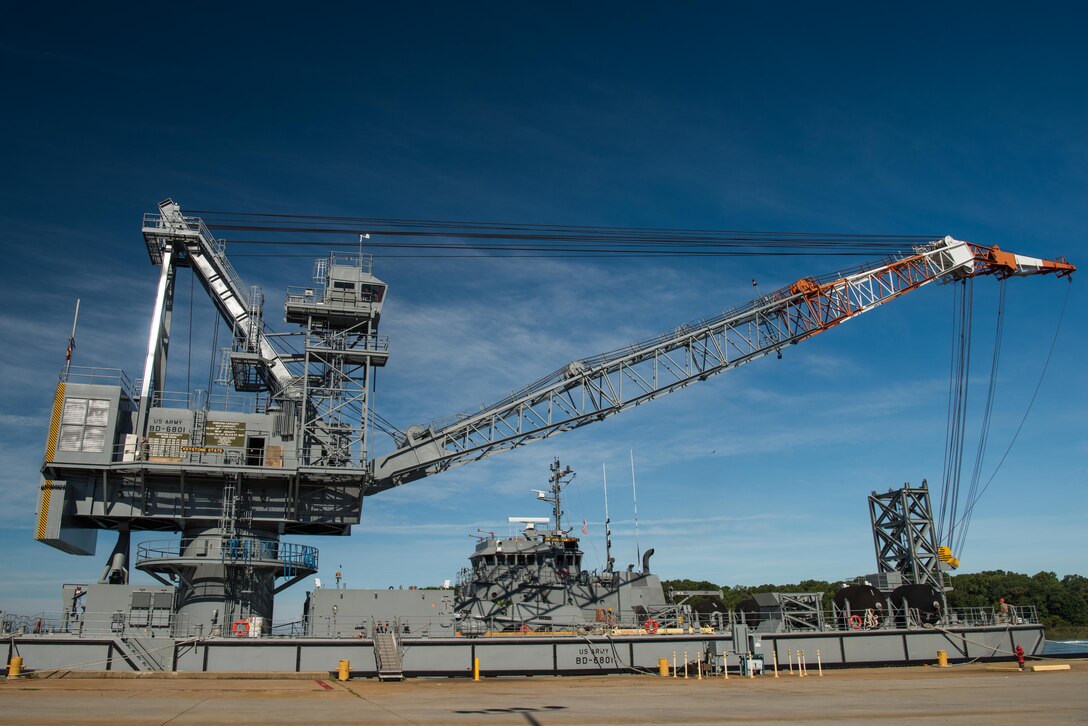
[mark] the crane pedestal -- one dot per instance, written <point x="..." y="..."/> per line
<point x="223" y="576"/>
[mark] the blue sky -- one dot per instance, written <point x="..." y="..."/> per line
<point x="963" y="120"/>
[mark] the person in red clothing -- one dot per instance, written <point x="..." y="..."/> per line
<point x="1020" y="656"/>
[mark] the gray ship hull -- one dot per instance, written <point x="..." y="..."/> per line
<point x="517" y="655"/>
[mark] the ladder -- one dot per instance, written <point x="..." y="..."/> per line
<point x="138" y="654"/>
<point x="200" y="420"/>
<point x="387" y="657"/>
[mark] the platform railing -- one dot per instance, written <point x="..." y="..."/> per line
<point x="199" y="399"/>
<point x="868" y="619"/>
<point x="136" y="622"/>
<point x="361" y="625"/>
<point x="99" y="376"/>
<point x="291" y="556"/>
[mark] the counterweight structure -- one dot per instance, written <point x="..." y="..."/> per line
<point x="288" y="451"/>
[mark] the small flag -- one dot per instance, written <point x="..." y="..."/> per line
<point x="754" y="283"/>
<point x="585" y="527"/>
<point x="71" y="347"/>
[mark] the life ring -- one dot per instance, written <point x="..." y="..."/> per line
<point x="562" y="573"/>
<point x="525" y="629"/>
<point x="240" y="628"/>
<point x="651" y="626"/>
<point x="855" y="622"/>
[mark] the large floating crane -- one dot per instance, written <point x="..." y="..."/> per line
<point x="291" y="454"/>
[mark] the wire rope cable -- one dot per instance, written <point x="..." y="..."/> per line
<point x="984" y="428"/>
<point x="1031" y="402"/>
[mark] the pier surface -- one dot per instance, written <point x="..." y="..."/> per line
<point x="982" y="694"/>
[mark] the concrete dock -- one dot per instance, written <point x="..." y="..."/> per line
<point x="966" y="694"/>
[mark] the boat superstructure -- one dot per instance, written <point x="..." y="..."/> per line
<point x="536" y="580"/>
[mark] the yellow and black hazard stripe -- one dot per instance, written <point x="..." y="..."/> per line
<point x="50" y="451"/>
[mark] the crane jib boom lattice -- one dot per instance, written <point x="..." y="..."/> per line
<point x="591" y="389"/>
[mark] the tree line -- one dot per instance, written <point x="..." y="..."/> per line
<point x="1062" y="603"/>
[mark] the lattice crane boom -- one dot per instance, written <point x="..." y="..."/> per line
<point x="592" y="389"/>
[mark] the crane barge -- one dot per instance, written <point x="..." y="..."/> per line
<point x="290" y="453"/>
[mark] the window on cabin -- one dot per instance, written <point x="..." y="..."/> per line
<point x="83" y="425"/>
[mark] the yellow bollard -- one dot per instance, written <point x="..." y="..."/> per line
<point x="725" y="666"/>
<point x="819" y="663"/>
<point x="699" y="665"/>
<point x="748" y="666"/>
<point x="15" y="667"/>
<point x="774" y="655"/>
<point x="942" y="659"/>
<point x="663" y="667"/>
<point x="789" y="654"/>
<point x="685" y="664"/>
<point x="475" y="669"/>
<point x="345" y="670"/>
<point x="674" y="675"/>
<point x="800" y="664"/>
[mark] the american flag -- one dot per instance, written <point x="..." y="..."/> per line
<point x="71" y="347"/>
<point x="585" y="527"/>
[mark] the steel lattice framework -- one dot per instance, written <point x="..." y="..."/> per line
<point x="904" y="536"/>
<point x="591" y="389"/>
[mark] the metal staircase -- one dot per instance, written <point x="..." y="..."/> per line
<point x="140" y="655"/>
<point x="387" y="657"/>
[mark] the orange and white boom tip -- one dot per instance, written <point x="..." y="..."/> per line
<point x="1008" y="264"/>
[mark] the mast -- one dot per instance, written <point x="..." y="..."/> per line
<point x="560" y="476"/>
<point x="607" y="524"/>
<point x="634" y="497"/>
<point x="71" y="343"/>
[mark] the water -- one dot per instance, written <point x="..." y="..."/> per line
<point x="1065" y="647"/>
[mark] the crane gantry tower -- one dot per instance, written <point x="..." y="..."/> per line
<point x="289" y="453"/>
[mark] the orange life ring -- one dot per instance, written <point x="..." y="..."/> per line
<point x="562" y="573"/>
<point x="240" y="628"/>
<point x="526" y="629"/>
<point x="651" y="626"/>
<point x="855" y="622"/>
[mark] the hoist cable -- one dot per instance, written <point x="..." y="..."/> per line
<point x="1031" y="402"/>
<point x="984" y="428"/>
<point x="957" y="409"/>
<point x="942" y="512"/>
<point x="378" y="222"/>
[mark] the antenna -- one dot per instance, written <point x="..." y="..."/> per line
<point x="634" y="497"/>
<point x="607" y="523"/>
<point x="71" y="343"/>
